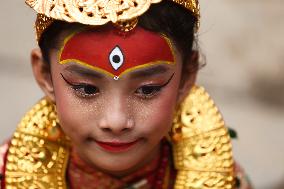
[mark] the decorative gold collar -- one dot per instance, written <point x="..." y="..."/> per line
<point x="201" y="143"/>
<point x="39" y="151"/>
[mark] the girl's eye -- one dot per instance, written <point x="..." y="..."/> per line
<point x="85" y="89"/>
<point x="148" y="91"/>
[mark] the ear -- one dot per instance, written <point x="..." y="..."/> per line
<point x="188" y="77"/>
<point x="41" y="71"/>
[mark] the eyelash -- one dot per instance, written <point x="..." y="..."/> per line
<point x="80" y="89"/>
<point x="156" y="89"/>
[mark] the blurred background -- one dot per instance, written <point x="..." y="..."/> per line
<point x="243" y="45"/>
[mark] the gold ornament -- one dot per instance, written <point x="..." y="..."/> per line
<point x="202" y="148"/>
<point x="39" y="151"/>
<point x="41" y="24"/>
<point x="96" y="12"/>
<point x="126" y="26"/>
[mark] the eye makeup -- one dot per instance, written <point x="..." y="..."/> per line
<point x="82" y="89"/>
<point x="149" y="91"/>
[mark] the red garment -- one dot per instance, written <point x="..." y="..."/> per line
<point x="81" y="175"/>
<point x="3" y="155"/>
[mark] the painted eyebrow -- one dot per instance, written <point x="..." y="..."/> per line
<point x="148" y="72"/>
<point x="79" y="70"/>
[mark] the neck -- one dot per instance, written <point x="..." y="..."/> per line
<point x="152" y="156"/>
<point x="82" y="173"/>
<point x="151" y="159"/>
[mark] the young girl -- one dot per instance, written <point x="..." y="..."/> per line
<point x="121" y="108"/>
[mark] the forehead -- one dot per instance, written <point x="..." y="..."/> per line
<point x="113" y="53"/>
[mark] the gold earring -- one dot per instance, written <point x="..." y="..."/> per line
<point x="202" y="149"/>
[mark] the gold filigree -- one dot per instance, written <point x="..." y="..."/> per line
<point x="126" y="26"/>
<point x="202" y="148"/>
<point x="97" y="12"/>
<point x="42" y="22"/>
<point x="39" y="151"/>
<point x="91" y="12"/>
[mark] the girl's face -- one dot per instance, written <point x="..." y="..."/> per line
<point x="115" y="95"/>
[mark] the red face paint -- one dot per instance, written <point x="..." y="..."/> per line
<point x="113" y="54"/>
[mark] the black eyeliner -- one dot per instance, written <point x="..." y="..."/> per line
<point x="168" y="81"/>
<point x="165" y="84"/>
<point x="158" y="88"/>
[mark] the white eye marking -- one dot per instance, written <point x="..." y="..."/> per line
<point x="116" y="78"/>
<point x="116" y="58"/>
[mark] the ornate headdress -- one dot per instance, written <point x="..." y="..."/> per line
<point x="97" y="12"/>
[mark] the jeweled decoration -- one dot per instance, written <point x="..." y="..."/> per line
<point x="39" y="151"/>
<point x="98" y="12"/>
<point x="202" y="147"/>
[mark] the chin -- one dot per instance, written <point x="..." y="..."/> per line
<point x="117" y="164"/>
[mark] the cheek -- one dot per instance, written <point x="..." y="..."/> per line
<point x="156" y="116"/>
<point x="68" y="113"/>
<point x="73" y="115"/>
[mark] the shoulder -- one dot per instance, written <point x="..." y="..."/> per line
<point x="242" y="180"/>
<point x="3" y="150"/>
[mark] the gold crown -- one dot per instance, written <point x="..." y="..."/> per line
<point x="96" y="12"/>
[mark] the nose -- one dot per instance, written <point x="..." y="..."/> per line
<point x="116" y="118"/>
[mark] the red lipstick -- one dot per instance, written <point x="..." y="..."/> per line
<point x="116" y="146"/>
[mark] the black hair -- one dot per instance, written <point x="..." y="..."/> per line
<point x="168" y="18"/>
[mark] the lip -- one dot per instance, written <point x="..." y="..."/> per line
<point x="117" y="146"/>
